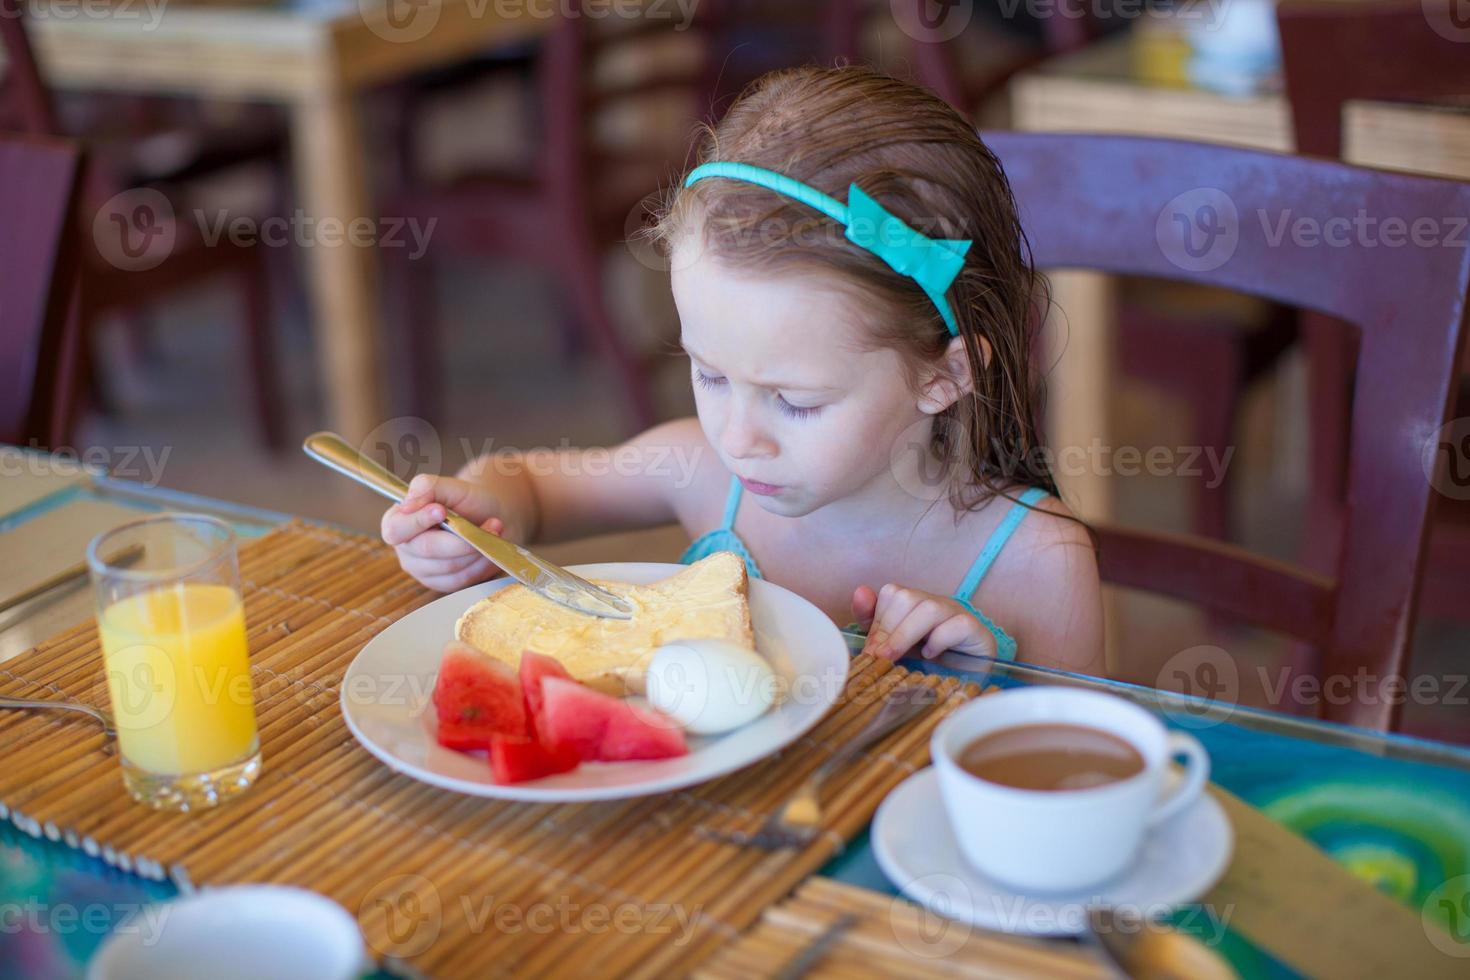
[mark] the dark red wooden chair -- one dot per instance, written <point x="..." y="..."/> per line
<point x="1113" y="204"/>
<point x="38" y="336"/>
<point x="1396" y="54"/>
<point x="1207" y="360"/>
<point x="115" y="165"/>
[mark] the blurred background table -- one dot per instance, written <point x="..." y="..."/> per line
<point x="1112" y="87"/>
<point x="314" y="56"/>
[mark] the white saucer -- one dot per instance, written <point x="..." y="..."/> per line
<point x="917" y="850"/>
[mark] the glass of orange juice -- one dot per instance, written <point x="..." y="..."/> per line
<point x="173" y="647"/>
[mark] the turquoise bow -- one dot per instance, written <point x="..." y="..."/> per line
<point x="933" y="263"/>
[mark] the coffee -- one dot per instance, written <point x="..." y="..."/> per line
<point x="1050" y="757"/>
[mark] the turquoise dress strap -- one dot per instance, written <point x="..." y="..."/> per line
<point x="1005" y="644"/>
<point x="997" y="541"/>
<point x="723" y="538"/>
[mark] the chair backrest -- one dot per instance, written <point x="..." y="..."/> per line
<point x="1332" y="52"/>
<point x="937" y="52"/>
<point x="1312" y="234"/>
<point x="38" y="287"/>
<point x="25" y="103"/>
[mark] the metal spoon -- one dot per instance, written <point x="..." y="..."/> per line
<point x="108" y="728"/>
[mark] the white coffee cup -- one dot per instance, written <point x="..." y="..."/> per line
<point x="1070" y="839"/>
<point x="237" y="932"/>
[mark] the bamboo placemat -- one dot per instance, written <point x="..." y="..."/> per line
<point x="888" y="937"/>
<point x="447" y="884"/>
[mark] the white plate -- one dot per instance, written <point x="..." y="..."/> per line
<point x="386" y="692"/>
<point x="236" y="932"/>
<point x="917" y="850"/>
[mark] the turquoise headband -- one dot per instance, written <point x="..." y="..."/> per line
<point x="933" y="263"/>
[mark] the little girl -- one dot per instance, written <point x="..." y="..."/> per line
<point x="856" y="302"/>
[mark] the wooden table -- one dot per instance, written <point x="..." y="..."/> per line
<point x="314" y="56"/>
<point x="1102" y="89"/>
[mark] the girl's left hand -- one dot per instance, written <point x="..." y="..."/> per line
<point x="898" y="619"/>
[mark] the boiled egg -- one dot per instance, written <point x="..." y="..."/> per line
<point x="709" y="686"/>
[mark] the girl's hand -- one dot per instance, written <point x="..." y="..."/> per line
<point x="435" y="557"/>
<point x="898" y="619"/>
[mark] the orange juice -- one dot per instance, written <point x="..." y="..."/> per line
<point x="178" y="675"/>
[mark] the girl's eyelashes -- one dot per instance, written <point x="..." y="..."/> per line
<point x="794" y="411"/>
<point x="787" y="409"/>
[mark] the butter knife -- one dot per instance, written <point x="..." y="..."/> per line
<point x="536" y="574"/>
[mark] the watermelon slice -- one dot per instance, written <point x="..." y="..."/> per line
<point x="604" y="729"/>
<point x="535" y="667"/>
<point x="514" y="759"/>
<point x="476" y="697"/>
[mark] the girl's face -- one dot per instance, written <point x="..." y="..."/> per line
<point x="785" y="395"/>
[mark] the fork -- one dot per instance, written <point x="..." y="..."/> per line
<point x="798" y="820"/>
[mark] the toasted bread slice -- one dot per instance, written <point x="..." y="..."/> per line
<point x="707" y="599"/>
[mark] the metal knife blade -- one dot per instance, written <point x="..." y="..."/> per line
<point x="535" y="573"/>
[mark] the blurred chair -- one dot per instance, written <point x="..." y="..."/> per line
<point x="964" y="80"/>
<point x="584" y="194"/>
<point x="1207" y="360"/>
<point x="138" y="144"/>
<point x="1408" y="304"/>
<point x="1395" y="54"/>
<point x="38" y="335"/>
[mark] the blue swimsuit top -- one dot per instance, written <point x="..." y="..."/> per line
<point x="724" y="538"/>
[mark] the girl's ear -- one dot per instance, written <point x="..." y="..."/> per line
<point x="950" y="379"/>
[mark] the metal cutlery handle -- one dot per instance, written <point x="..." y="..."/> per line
<point x="332" y="450"/>
<point x="85" y="709"/>
<point x="895" y="711"/>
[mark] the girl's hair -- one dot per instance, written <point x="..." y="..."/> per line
<point x="924" y="162"/>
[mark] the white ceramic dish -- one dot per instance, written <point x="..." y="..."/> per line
<point x="916" y="848"/>
<point x="237" y="932"/>
<point x="387" y="688"/>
